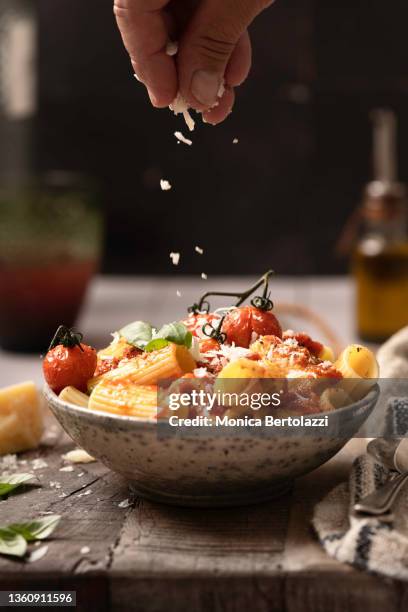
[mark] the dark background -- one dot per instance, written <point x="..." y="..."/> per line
<point x="282" y="195"/>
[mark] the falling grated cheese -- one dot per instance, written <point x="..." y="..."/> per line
<point x="175" y="258"/>
<point x="85" y="550"/>
<point x="125" y="503"/>
<point x="178" y="293"/>
<point x="199" y="250"/>
<point x="204" y="276"/>
<point x="165" y="185"/>
<point x="172" y="47"/>
<point x="78" y="456"/>
<point x="235" y="141"/>
<point x="179" y="106"/>
<point x="181" y="138"/>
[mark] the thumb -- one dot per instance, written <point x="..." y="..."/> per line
<point x="207" y="45"/>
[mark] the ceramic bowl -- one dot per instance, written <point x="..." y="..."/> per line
<point x="204" y="468"/>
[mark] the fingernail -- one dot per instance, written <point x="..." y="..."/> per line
<point x="205" y="86"/>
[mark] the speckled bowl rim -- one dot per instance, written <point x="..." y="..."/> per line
<point x="51" y="397"/>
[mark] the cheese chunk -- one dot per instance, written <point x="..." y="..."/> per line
<point x="21" y="423"/>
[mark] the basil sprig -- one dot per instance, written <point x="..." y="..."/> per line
<point x="14" y="537"/>
<point x="144" y="336"/>
<point x="9" y="483"/>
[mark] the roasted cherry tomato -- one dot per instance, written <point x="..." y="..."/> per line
<point x="241" y="323"/>
<point x="69" y="362"/>
<point x="195" y="323"/>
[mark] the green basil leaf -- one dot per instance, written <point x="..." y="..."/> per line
<point x="38" y="529"/>
<point x="12" y="543"/>
<point x="10" y="483"/>
<point x="137" y="333"/>
<point x="156" y="345"/>
<point x="177" y="333"/>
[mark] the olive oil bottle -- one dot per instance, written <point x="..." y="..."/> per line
<point x="380" y="262"/>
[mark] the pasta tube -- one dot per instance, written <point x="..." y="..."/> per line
<point x="173" y="361"/>
<point x="326" y="353"/>
<point x="237" y="377"/>
<point x="73" y="396"/>
<point x="357" y="364"/>
<point x="127" y="399"/>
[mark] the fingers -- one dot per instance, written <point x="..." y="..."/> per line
<point x="210" y="44"/>
<point x="222" y="110"/>
<point x="144" y="31"/>
<point x="239" y="64"/>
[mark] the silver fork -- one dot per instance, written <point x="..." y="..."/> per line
<point x="381" y="501"/>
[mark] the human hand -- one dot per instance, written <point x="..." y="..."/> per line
<point x="213" y="49"/>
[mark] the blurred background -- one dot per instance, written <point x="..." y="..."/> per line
<point x="71" y="111"/>
<point x="302" y="120"/>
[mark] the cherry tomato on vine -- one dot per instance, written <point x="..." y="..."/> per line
<point x="241" y="323"/>
<point x="68" y="361"/>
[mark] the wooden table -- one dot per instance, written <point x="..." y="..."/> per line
<point x="148" y="557"/>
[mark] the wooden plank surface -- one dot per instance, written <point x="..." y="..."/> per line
<point x="150" y="556"/>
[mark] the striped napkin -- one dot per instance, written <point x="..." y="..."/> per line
<point x="374" y="544"/>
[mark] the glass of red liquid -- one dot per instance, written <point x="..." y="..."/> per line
<point x="50" y="248"/>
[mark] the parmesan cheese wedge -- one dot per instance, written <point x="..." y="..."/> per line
<point x="21" y="423"/>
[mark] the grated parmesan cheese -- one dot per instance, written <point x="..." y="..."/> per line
<point x="165" y="185"/>
<point x="175" y="258"/>
<point x="204" y="276"/>
<point x="199" y="250"/>
<point x="200" y="372"/>
<point x="235" y="141"/>
<point x="181" y="138"/>
<point x="172" y="48"/>
<point x="179" y="106"/>
<point x="178" y="293"/>
<point x="78" y="456"/>
<point x="221" y="90"/>
<point x="67" y="468"/>
<point x="37" y="554"/>
<point x="38" y="464"/>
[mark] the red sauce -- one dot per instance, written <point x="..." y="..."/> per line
<point x="303" y="339"/>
